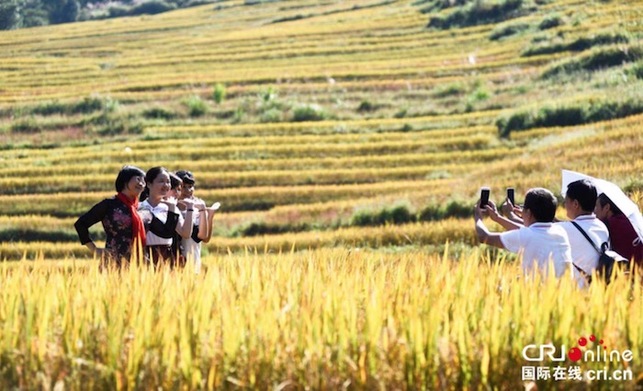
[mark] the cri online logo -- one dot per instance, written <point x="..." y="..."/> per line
<point x="598" y="353"/>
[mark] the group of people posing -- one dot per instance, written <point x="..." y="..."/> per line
<point x="154" y="218"/>
<point x="533" y="232"/>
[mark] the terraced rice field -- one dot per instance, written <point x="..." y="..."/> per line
<point x="408" y="114"/>
<point x="331" y="111"/>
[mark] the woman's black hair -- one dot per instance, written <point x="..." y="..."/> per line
<point x="150" y="176"/>
<point x="175" y="181"/>
<point x="124" y="175"/>
<point x="604" y="200"/>
<point x="186" y="177"/>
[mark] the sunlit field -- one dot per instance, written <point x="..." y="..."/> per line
<point x="346" y="142"/>
<point x="323" y="319"/>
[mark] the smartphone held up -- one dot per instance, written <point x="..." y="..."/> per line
<point x="484" y="196"/>
<point x="511" y="195"/>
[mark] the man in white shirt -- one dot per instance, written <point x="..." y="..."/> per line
<point x="539" y="241"/>
<point x="580" y="200"/>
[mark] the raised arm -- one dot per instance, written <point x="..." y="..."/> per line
<point x="507" y="224"/>
<point x="211" y="211"/>
<point x="184" y="226"/>
<point x="484" y="235"/>
<point x="512" y="213"/>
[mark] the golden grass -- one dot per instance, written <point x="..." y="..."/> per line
<point x="322" y="319"/>
<point x="318" y="309"/>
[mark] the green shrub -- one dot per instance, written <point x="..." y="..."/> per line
<point x="304" y="113"/>
<point x="562" y="116"/>
<point x="516" y="121"/>
<point x="197" y="107"/>
<point x="597" y="59"/>
<point x="151" y="7"/>
<point x="88" y="105"/>
<point x="478" y="12"/>
<point x="507" y="30"/>
<point x="450" y="90"/>
<point x="219" y="93"/>
<point x="575" y="113"/>
<point x="437" y="5"/>
<point x="238" y="115"/>
<point x="479" y="94"/>
<point x="26" y="126"/>
<point x="111" y="124"/>
<point x="366" y="106"/>
<point x="290" y="18"/>
<point x="397" y="214"/>
<point x="33" y="235"/>
<point x="363" y="218"/>
<point x="159" y="113"/>
<point x="457" y="209"/>
<point x="271" y="115"/>
<point x="256" y="229"/>
<point x="401" y="113"/>
<point x="550" y="21"/>
<point x="50" y="108"/>
<point x="451" y="209"/>
<point x="406" y="128"/>
<point x="268" y="94"/>
<point x="118" y="11"/>
<point x="547" y="48"/>
<point x="578" y="45"/>
<point x="584" y="43"/>
<point x="637" y="71"/>
<point x="118" y="126"/>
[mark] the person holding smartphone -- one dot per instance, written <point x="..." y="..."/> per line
<point x="203" y="220"/>
<point x="539" y="241"/>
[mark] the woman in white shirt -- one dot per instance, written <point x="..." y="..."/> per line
<point x="157" y="204"/>
<point x="203" y="222"/>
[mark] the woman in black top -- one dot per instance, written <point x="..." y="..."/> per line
<point x="124" y="229"/>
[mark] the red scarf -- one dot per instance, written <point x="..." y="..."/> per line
<point x="138" y="229"/>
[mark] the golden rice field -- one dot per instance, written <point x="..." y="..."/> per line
<point x="321" y="319"/>
<point x="332" y="112"/>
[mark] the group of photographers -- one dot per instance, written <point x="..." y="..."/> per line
<point x="576" y="245"/>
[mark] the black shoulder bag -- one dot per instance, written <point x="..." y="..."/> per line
<point x="606" y="260"/>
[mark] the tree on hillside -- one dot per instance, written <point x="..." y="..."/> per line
<point x="34" y="14"/>
<point x="9" y="14"/>
<point x="62" y="11"/>
<point x="29" y="13"/>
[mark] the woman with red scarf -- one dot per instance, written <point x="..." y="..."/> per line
<point x="124" y="229"/>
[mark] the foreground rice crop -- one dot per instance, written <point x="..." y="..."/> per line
<point x="323" y="319"/>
